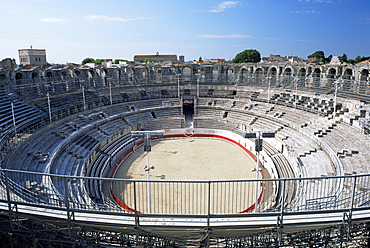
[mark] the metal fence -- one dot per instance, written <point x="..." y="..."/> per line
<point x="189" y="197"/>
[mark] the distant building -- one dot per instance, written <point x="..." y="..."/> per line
<point x="214" y="61"/>
<point x="7" y="63"/>
<point x="157" y="58"/>
<point x="32" y="56"/>
<point x="365" y="62"/>
<point x="286" y="59"/>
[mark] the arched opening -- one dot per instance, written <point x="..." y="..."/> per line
<point x="49" y="76"/>
<point x="3" y="79"/>
<point x="104" y="78"/>
<point x="347" y="80"/>
<point x="63" y="75"/>
<point x="34" y="76"/>
<point x="273" y="76"/>
<point x="244" y="75"/>
<point x="364" y="82"/>
<point x="215" y="74"/>
<point x="230" y="75"/>
<point x="90" y="76"/>
<point x="302" y="77"/>
<point x="258" y="76"/>
<point x="287" y="79"/>
<point x="118" y="76"/>
<point x="18" y="78"/>
<point x="316" y="75"/>
<point x="331" y="77"/>
<point x="186" y="72"/>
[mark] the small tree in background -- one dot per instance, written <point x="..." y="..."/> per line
<point x="99" y="61"/>
<point x="88" y="60"/>
<point x="200" y="59"/>
<point x="319" y="55"/>
<point x="249" y="55"/>
<point x="116" y="61"/>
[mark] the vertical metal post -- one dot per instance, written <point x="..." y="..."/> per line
<point x="257" y="171"/>
<point x="66" y="202"/>
<point x="49" y="107"/>
<point x="281" y="216"/>
<point x="354" y="181"/>
<point x="147" y="143"/>
<point x="209" y="204"/>
<point x="137" y="223"/>
<point x="8" y="200"/>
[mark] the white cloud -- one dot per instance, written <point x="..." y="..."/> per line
<point x="114" y="19"/>
<point x="316" y="1"/>
<point x="224" y="5"/>
<point x="229" y="36"/>
<point x="305" y="12"/>
<point x="54" y="20"/>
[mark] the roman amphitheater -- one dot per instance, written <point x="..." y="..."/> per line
<point x="188" y="155"/>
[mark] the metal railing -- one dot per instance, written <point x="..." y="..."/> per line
<point x="188" y="197"/>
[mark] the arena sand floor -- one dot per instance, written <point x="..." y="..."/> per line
<point x="186" y="159"/>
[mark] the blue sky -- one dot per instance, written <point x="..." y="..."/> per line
<point x="73" y="30"/>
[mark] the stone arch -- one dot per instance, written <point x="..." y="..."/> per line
<point x="118" y="76"/>
<point x="34" y="76"/>
<point x="316" y="77"/>
<point x="288" y="72"/>
<point x="49" y="76"/>
<point x="63" y="75"/>
<point x="364" y="82"/>
<point x="70" y="73"/>
<point x="144" y="74"/>
<point x="287" y="78"/>
<point x="187" y="72"/>
<point x="258" y="75"/>
<point x="272" y="76"/>
<point x="104" y="77"/>
<point x="230" y="74"/>
<point x="3" y="80"/>
<point x="3" y="77"/>
<point x="215" y="73"/>
<point x="331" y="77"/>
<point x="18" y="78"/>
<point x="302" y="77"/>
<point x="347" y="79"/>
<point x="332" y="72"/>
<point x="244" y="75"/>
<point x="91" y="78"/>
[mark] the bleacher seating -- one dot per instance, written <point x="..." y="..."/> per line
<point x="80" y="143"/>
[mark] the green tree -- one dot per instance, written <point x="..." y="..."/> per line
<point x="88" y="60"/>
<point x="319" y="55"/>
<point x="116" y="61"/>
<point x="328" y="59"/>
<point x="345" y="57"/>
<point x="249" y="55"/>
<point x="99" y="61"/>
<point x="200" y="59"/>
